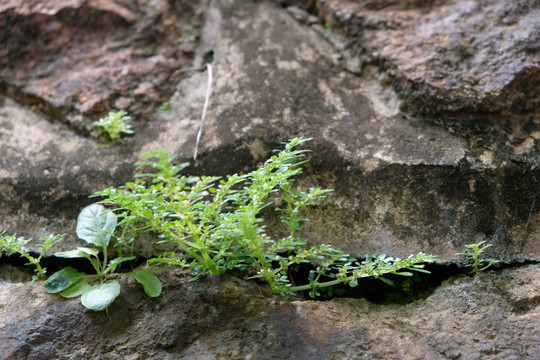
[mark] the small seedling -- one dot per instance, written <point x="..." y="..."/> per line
<point x="15" y="245"/>
<point x="472" y="257"/>
<point x="165" y="107"/>
<point x="114" y="124"/>
<point x="96" y="226"/>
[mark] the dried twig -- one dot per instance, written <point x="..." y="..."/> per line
<point x="188" y="69"/>
<point x="208" y="91"/>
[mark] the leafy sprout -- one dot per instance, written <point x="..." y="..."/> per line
<point x="16" y="245"/>
<point x="114" y="124"/>
<point x="96" y="226"/>
<point x="165" y="107"/>
<point x="473" y="257"/>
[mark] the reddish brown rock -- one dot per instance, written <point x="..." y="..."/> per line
<point x="446" y="56"/>
<point x="491" y="316"/>
<point x="77" y="60"/>
<point x="402" y="185"/>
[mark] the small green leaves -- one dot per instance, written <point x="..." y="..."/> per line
<point x="114" y="124"/>
<point x="95" y="225"/>
<point x="99" y="297"/>
<point x="62" y="280"/>
<point x="80" y="252"/>
<point x="473" y="259"/>
<point x="15" y="245"/>
<point x="150" y="282"/>
<point x="165" y="107"/>
<point x="216" y="224"/>
<point x="79" y="288"/>
<point x="115" y="262"/>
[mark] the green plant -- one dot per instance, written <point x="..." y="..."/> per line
<point x="165" y="107"/>
<point x="114" y="124"/>
<point x="96" y="226"/>
<point x="217" y="226"/>
<point x="473" y="259"/>
<point x="15" y="245"/>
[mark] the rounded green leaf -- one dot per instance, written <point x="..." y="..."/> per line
<point x="80" y="252"/>
<point x="89" y="251"/>
<point x="96" y="224"/>
<point x="150" y="282"/>
<point x="79" y="288"/>
<point x="117" y="261"/>
<point x="62" y="280"/>
<point x="99" y="297"/>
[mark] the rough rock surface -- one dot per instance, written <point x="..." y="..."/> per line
<point x="428" y="135"/>
<point x="402" y="184"/>
<point x="75" y="60"/>
<point x="458" y="57"/>
<point x="495" y="315"/>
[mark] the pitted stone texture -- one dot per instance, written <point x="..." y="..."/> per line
<point x="446" y="56"/>
<point x="402" y="186"/>
<point x="276" y="79"/>
<point x="77" y="60"/>
<point x="47" y="173"/>
<point x="490" y="316"/>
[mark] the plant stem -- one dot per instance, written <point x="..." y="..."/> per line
<point x="36" y="263"/>
<point x="104" y="266"/>
<point x="327" y="283"/>
<point x="206" y="259"/>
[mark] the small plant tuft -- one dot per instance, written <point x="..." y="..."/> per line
<point x="114" y="124"/>
<point x="216" y="224"/>
<point x="96" y="225"/>
<point x="165" y="107"/>
<point x="15" y="245"/>
<point x="473" y="257"/>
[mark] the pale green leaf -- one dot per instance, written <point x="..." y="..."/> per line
<point x="71" y="254"/>
<point x="404" y="273"/>
<point x="115" y="262"/>
<point x="77" y="289"/>
<point x="99" y="297"/>
<point x="96" y="224"/>
<point x="62" y="280"/>
<point x="80" y="252"/>
<point x="150" y="282"/>
<point x="90" y="251"/>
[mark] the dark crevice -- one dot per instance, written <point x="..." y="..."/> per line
<point x="54" y="264"/>
<point x="405" y="290"/>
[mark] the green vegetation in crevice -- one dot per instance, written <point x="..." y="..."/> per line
<point x="217" y="226"/>
<point x="115" y="124"/>
<point x="474" y="257"/>
<point x="16" y="245"/>
<point x="401" y="290"/>
<point x="96" y="225"/>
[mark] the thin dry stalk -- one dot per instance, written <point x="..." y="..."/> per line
<point x="208" y="92"/>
